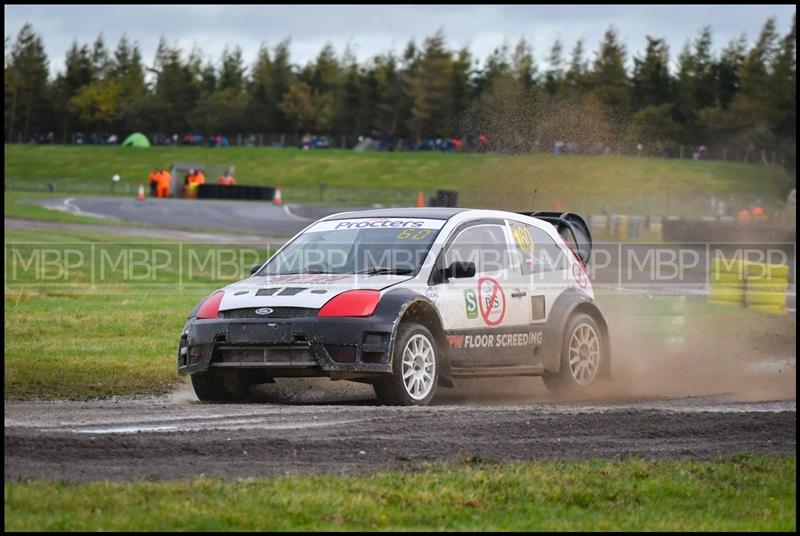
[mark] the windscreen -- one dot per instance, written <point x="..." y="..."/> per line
<point x="360" y="245"/>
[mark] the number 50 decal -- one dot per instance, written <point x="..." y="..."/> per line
<point x="413" y="234"/>
<point x="522" y="236"/>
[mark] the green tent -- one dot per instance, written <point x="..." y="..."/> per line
<point x="137" y="139"/>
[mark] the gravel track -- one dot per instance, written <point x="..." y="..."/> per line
<point x="344" y="433"/>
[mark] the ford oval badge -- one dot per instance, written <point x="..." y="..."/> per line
<point x="264" y="311"/>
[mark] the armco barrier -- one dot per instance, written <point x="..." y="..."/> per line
<point x="243" y="192"/>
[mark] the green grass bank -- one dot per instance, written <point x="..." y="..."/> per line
<point x="578" y="183"/>
<point x="743" y="493"/>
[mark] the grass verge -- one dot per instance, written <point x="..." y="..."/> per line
<point x="743" y="493"/>
<point x="16" y="206"/>
<point x="579" y="183"/>
<point x="95" y="315"/>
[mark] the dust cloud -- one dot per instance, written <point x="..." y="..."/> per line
<point x="739" y="357"/>
<point x="746" y="357"/>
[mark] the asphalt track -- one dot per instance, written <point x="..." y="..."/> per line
<point x="232" y="216"/>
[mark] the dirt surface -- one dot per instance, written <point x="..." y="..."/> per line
<point x="343" y="432"/>
<point x="730" y="389"/>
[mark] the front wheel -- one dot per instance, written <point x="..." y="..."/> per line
<point x="415" y="368"/>
<point x="216" y="387"/>
<point x="582" y="355"/>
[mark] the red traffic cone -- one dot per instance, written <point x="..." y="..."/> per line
<point x="277" y="198"/>
<point x="140" y="195"/>
<point x="420" y="199"/>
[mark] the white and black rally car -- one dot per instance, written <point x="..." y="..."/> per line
<point x="407" y="300"/>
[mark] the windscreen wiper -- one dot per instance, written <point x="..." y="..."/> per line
<point x="384" y="270"/>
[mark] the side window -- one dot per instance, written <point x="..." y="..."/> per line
<point x="538" y="252"/>
<point x="484" y="245"/>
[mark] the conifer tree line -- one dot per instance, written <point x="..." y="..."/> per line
<point x="741" y="100"/>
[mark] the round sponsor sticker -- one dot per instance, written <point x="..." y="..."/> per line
<point x="579" y="274"/>
<point x="491" y="301"/>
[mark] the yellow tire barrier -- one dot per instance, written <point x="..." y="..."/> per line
<point x="729" y="266"/>
<point x="727" y="294"/>
<point x="722" y="302"/>
<point x="764" y="298"/>
<point x="622" y="226"/>
<point x="726" y="278"/>
<point x="768" y="271"/>
<point x="758" y="285"/>
<point x="771" y="309"/>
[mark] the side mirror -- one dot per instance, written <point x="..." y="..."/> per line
<point x="459" y="269"/>
<point x="255" y="268"/>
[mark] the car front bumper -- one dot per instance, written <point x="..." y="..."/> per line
<point x="302" y="346"/>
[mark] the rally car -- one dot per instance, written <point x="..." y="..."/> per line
<point x="407" y="300"/>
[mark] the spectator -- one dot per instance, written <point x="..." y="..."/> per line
<point x="188" y="184"/>
<point x="154" y="176"/>
<point x="226" y="179"/>
<point x="163" y="184"/>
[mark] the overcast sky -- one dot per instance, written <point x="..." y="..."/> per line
<point x="376" y="29"/>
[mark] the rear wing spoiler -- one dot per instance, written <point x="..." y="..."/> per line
<point x="569" y="226"/>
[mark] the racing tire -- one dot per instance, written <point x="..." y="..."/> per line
<point x="217" y="388"/>
<point x="582" y="357"/>
<point x="415" y="368"/>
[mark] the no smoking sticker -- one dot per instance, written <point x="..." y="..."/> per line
<point x="491" y="301"/>
<point x="579" y="274"/>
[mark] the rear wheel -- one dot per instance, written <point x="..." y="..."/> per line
<point x="415" y="366"/>
<point x="218" y="387"/>
<point x="582" y="355"/>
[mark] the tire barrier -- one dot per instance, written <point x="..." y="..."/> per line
<point x="758" y="286"/>
<point x="662" y="321"/>
<point x="727" y="281"/>
<point x="444" y="198"/>
<point x="766" y="287"/>
<point x="251" y="193"/>
<point x="697" y="230"/>
<point x="626" y="226"/>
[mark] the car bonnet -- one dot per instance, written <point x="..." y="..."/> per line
<point x="301" y="290"/>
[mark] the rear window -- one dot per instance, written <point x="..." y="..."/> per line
<point x="538" y="252"/>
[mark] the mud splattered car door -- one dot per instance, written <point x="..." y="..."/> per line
<point x="482" y="313"/>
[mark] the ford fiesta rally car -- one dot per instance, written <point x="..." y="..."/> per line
<point x="407" y="300"/>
